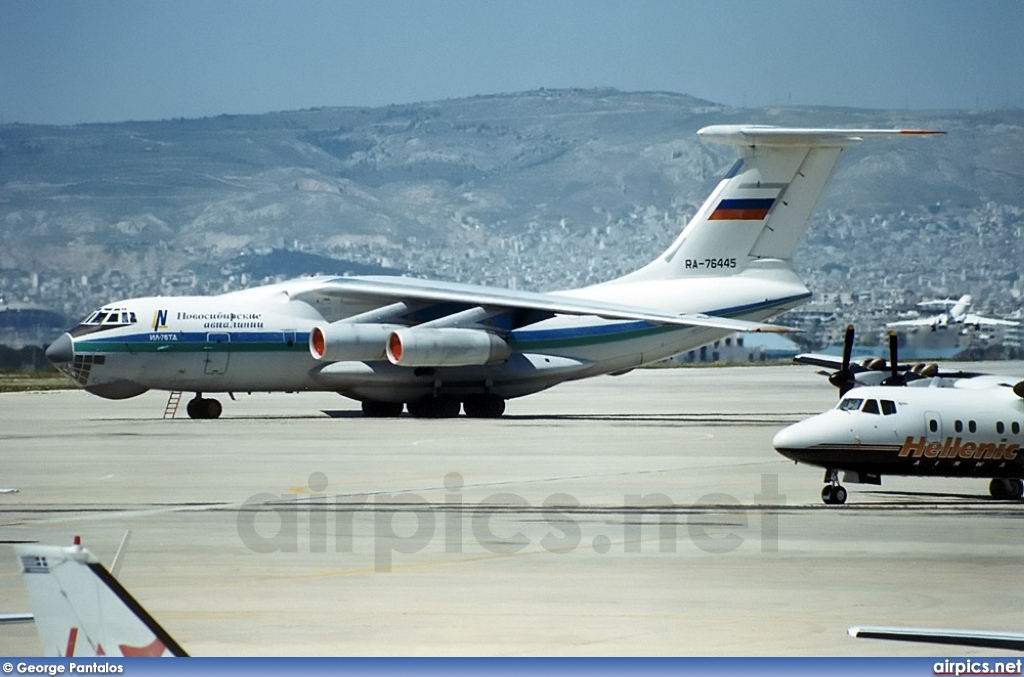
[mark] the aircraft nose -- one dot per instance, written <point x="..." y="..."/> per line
<point x="785" y="438"/>
<point x="798" y="436"/>
<point x="61" y="351"/>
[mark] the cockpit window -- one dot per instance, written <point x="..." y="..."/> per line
<point x="111" y="316"/>
<point x="888" y="407"/>
<point x="105" y="318"/>
<point x="870" y="407"/>
<point x="850" y="404"/>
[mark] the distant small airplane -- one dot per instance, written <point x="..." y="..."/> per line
<point x="913" y="422"/>
<point x="438" y="347"/>
<point x="955" y="313"/>
<point x="81" y="609"/>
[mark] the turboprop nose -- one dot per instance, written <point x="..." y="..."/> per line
<point x="798" y="437"/>
<point x="61" y="351"/>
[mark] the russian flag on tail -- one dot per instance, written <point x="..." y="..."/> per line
<point x="734" y="209"/>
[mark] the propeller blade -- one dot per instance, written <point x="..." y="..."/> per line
<point x="894" y="378"/>
<point x="893" y="359"/>
<point x="844" y="379"/>
<point x="847" y="347"/>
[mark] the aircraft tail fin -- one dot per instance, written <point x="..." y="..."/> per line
<point x="760" y="210"/>
<point x="82" y="610"/>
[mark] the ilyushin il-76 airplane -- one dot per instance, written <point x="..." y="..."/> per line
<point x="435" y="347"/>
<point x="915" y="422"/>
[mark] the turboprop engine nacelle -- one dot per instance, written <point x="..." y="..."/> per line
<point x="347" y="341"/>
<point x="412" y="347"/>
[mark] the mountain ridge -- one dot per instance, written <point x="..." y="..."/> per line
<point x="540" y="189"/>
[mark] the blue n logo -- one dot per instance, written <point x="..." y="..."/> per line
<point x="160" y="320"/>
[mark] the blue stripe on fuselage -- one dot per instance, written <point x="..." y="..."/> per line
<point x="626" y="326"/>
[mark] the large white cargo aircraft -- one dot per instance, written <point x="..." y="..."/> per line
<point x="433" y="346"/>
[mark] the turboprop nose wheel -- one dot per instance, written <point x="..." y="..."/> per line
<point x="202" y="407"/>
<point x="834" y="493"/>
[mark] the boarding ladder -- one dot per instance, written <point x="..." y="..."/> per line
<point x="172" y="404"/>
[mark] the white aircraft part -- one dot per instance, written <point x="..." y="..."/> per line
<point x="346" y="341"/>
<point x="81" y="610"/>
<point x="792" y="211"/>
<point x="415" y="347"/>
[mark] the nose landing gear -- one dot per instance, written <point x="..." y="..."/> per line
<point x="201" y="407"/>
<point x="834" y="493"/>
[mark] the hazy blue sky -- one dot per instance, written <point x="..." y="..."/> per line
<point x="75" y="61"/>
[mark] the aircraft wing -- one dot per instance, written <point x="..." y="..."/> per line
<point x="826" y="361"/>
<point x="1011" y="641"/>
<point x="385" y="290"/>
<point x="920" y="322"/>
<point x="16" y="618"/>
<point x="988" y="321"/>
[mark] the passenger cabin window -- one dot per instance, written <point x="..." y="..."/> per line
<point x="888" y="407"/>
<point x="972" y="426"/>
<point x="1000" y="428"/>
<point x="1015" y="427"/>
<point x="870" y="407"/>
<point x="958" y="426"/>
<point x="850" y="404"/>
<point x="933" y="425"/>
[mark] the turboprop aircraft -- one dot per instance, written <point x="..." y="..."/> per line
<point x="956" y="312"/>
<point x="919" y="422"/>
<point x="81" y="609"/>
<point x="435" y="346"/>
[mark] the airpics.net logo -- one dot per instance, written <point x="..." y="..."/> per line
<point x="394" y="527"/>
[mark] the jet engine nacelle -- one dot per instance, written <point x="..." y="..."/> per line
<point x="350" y="342"/>
<point x="412" y="347"/>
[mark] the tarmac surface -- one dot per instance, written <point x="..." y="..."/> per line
<point x="645" y="514"/>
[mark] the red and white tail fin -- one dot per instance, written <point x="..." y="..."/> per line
<point x="82" y="610"/>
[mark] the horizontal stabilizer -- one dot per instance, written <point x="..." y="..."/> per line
<point x="761" y="135"/>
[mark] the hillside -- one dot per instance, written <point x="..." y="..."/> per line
<point x="539" y="189"/>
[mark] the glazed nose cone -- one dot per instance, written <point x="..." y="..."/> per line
<point x="61" y="351"/>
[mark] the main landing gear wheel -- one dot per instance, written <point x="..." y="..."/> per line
<point x="439" y="406"/>
<point x="201" y="407"/>
<point x="377" y="409"/>
<point x="1006" y="489"/>
<point x="484" y="406"/>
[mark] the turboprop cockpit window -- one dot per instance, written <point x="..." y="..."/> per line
<point x="850" y="404"/>
<point x="871" y="407"/>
